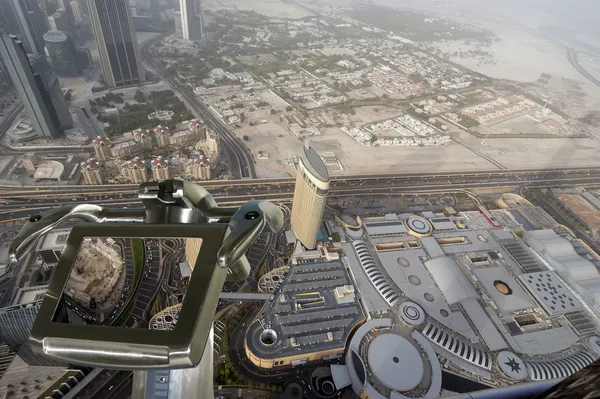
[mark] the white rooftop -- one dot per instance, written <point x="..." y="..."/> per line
<point x="395" y="362"/>
<point x="517" y="298"/>
<point x="450" y="278"/>
<point x="30" y="294"/>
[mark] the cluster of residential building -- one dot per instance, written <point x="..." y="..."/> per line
<point x="111" y="164"/>
<point x="402" y="130"/>
<point x="501" y="108"/>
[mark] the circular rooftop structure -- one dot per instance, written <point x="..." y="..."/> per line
<point x="165" y="319"/>
<point x="386" y="359"/>
<point x="55" y="36"/>
<point x="269" y="282"/>
<point x="511" y="365"/>
<point x="395" y="362"/>
<point x="412" y="313"/>
<point x="419" y="226"/>
<point x="593" y="344"/>
<point x="314" y="164"/>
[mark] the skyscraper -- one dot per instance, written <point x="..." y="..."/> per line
<point x="9" y="22"/>
<point x="310" y="193"/>
<point x="60" y="21"/>
<point x="15" y="326"/>
<point x="77" y="11"/>
<point x="63" y="54"/>
<point x="192" y="19"/>
<point x="39" y="90"/>
<point x="66" y="5"/>
<point x="117" y="43"/>
<point x="33" y="24"/>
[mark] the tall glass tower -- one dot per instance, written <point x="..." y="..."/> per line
<point x="38" y="88"/>
<point x="117" y="43"/>
<point x="192" y="19"/>
<point x="33" y="24"/>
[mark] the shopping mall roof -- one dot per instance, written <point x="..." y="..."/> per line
<point x="451" y="280"/>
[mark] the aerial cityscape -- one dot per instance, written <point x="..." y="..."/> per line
<point x="436" y="164"/>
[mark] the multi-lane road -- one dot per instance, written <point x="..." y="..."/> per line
<point x="240" y="159"/>
<point x="20" y="202"/>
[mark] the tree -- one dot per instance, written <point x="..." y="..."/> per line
<point x="246" y="138"/>
<point x="139" y="96"/>
<point x="94" y="110"/>
<point x="289" y="108"/>
<point x="242" y="117"/>
<point x="273" y="112"/>
<point x="68" y="96"/>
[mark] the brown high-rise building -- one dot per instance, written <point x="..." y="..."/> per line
<point x="162" y="136"/>
<point x="91" y="171"/>
<point x="136" y="171"/>
<point x="199" y="168"/>
<point x="102" y="147"/>
<point x="160" y="169"/>
<point x="144" y="138"/>
<point x="310" y="193"/>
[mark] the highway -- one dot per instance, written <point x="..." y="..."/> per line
<point x="348" y="180"/>
<point x="23" y="206"/>
<point x="240" y="159"/>
<point x="573" y="59"/>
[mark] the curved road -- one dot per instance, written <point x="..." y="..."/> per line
<point x="573" y="59"/>
<point x="241" y="161"/>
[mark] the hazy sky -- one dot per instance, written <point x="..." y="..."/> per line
<point x="578" y="15"/>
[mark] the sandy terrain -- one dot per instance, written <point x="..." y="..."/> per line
<point x="271" y="8"/>
<point x="376" y="113"/>
<point x="582" y="208"/>
<point x="536" y="153"/>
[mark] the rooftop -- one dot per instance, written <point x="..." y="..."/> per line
<point x="54" y="240"/>
<point x="313" y="162"/>
<point x="51" y="170"/>
<point x="305" y="316"/>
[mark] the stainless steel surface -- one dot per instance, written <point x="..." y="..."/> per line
<point x="131" y="348"/>
<point x="171" y="209"/>
<point x="246" y="224"/>
<point x="196" y="382"/>
<point x="39" y="224"/>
